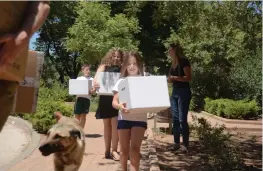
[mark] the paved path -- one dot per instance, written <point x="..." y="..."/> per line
<point x="94" y="153"/>
<point x="13" y="141"/>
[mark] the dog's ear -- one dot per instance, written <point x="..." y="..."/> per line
<point x="75" y="133"/>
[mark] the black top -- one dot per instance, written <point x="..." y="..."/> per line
<point x="112" y="69"/>
<point x="179" y="71"/>
<point x="105" y="109"/>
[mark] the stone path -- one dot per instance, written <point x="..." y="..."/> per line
<point x="94" y="153"/>
<point x="13" y="141"/>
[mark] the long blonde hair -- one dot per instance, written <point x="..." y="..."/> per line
<point x="179" y="52"/>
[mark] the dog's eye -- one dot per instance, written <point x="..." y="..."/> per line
<point x="57" y="136"/>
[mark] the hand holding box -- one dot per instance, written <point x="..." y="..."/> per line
<point x="106" y="81"/>
<point x="144" y="94"/>
<point x="79" y="87"/>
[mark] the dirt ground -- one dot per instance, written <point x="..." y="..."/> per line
<point x="169" y="161"/>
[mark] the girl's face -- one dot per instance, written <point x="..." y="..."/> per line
<point x="132" y="67"/>
<point x="116" y="58"/>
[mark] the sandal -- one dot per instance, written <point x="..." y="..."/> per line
<point x="115" y="156"/>
<point x="107" y="155"/>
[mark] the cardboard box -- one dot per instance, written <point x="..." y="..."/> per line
<point x="145" y="94"/>
<point x="27" y="93"/>
<point x="12" y="16"/>
<point x="79" y="87"/>
<point x="107" y="80"/>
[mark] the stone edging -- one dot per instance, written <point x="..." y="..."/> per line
<point x="153" y="159"/>
<point x="236" y="125"/>
<point x="33" y="144"/>
<point x="234" y="121"/>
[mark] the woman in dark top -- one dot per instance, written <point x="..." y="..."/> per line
<point x="110" y="63"/>
<point x="179" y="76"/>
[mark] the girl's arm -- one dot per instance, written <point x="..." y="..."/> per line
<point x="117" y="105"/>
<point x="115" y="101"/>
<point x="101" y="68"/>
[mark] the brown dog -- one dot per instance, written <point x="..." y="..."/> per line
<point x="66" y="140"/>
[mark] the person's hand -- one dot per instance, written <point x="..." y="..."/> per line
<point x="96" y="85"/>
<point x="92" y="91"/>
<point x="170" y="79"/>
<point x="12" y="45"/>
<point x="123" y="109"/>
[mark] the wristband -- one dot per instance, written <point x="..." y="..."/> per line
<point x="119" y="107"/>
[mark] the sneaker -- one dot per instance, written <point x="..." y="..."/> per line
<point x="181" y="149"/>
<point x="107" y="155"/>
<point x="176" y="147"/>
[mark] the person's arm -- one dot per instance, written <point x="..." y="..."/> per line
<point x="115" y="101"/>
<point x="185" y="64"/>
<point x="117" y="105"/>
<point x="37" y="13"/>
<point x="169" y="78"/>
<point x="92" y="90"/>
<point x="186" y="78"/>
<point x="101" y="68"/>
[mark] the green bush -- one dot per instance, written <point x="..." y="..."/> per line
<point x="51" y="98"/>
<point x="240" y="109"/>
<point x="43" y="119"/>
<point x="220" y="153"/>
<point x="94" y="104"/>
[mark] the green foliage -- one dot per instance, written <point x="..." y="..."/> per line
<point x="50" y="99"/>
<point x="58" y="61"/>
<point x="94" y="104"/>
<point x="222" y="41"/>
<point x="220" y="153"/>
<point x="240" y="109"/>
<point x="96" y="31"/>
<point x="43" y="119"/>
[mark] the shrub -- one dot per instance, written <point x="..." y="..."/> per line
<point x="220" y="152"/>
<point x="51" y="98"/>
<point x="43" y="119"/>
<point x="240" y="109"/>
<point x="94" y="103"/>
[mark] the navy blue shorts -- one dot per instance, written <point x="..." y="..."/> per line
<point x="122" y="124"/>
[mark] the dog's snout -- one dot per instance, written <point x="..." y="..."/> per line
<point x="44" y="147"/>
<point x="47" y="149"/>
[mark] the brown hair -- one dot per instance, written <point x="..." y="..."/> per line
<point x="179" y="52"/>
<point x="85" y="66"/>
<point x="107" y="59"/>
<point x="127" y="56"/>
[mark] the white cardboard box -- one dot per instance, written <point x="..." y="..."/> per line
<point x="79" y="87"/>
<point x="145" y="94"/>
<point x="107" y="80"/>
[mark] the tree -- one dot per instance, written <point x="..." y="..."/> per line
<point x="51" y="40"/>
<point x="216" y="36"/>
<point x="96" y="31"/>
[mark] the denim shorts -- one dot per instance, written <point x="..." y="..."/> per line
<point x="122" y="124"/>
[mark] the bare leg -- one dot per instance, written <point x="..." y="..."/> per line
<point x="82" y="120"/>
<point x="107" y="136"/>
<point x="114" y="138"/>
<point x="124" y="135"/>
<point x="77" y="116"/>
<point x="137" y="134"/>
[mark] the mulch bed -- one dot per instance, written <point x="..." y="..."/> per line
<point x="169" y="161"/>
